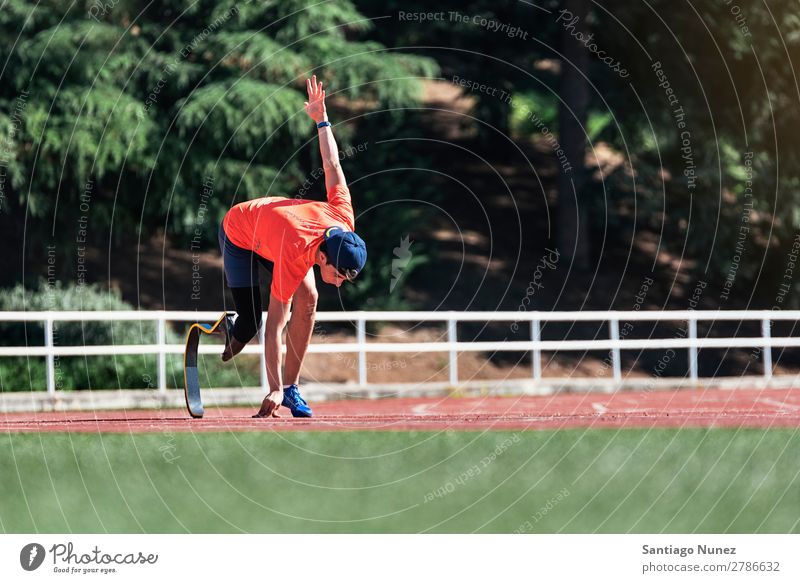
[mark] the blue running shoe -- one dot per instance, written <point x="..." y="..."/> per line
<point x="295" y="403"/>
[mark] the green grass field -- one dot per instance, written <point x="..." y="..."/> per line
<point x="570" y="481"/>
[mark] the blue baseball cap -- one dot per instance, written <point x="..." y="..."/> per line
<point x="345" y="249"/>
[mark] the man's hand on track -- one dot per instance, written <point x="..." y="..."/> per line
<point x="270" y="405"/>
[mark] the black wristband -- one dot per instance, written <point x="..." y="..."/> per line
<point x="323" y="124"/>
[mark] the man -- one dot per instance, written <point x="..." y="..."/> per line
<point x="289" y="237"/>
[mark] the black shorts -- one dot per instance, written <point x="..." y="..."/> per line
<point x="241" y="265"/>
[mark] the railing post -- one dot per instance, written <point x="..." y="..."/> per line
<point x="51" y="359"/>
<point x="536" y="335"/>
<point x="161" y="340"/>
<point x="766" y="334"/>
<point x="361" y="325"/>
<point x="452" y="337"/>
<point x="262" y="358"/>
<point x="693" y="350"/>
<point x="616" y="364"/>
<point x="683" y="338"/>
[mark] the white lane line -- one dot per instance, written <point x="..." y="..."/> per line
<point x="784" y="407"/>
<point x="599" y="408"/>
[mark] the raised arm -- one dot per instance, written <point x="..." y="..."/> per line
<point x="315" y="108"/>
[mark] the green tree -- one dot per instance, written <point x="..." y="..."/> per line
<point x="728" y="69"/>
<point x="136" y="116"/>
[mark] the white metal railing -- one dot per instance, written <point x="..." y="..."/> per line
<point x="614" y="344"/>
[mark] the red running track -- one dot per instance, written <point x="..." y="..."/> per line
<point x="687" y="408"/>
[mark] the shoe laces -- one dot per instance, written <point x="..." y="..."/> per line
<point x="293" y="394"/>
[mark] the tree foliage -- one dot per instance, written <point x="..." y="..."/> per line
<point x="148" y="102"/>
<point x="731" y="67"/>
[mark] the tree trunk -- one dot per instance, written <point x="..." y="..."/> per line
<point x="573" y="239"/>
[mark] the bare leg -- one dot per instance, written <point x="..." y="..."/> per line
<point x="248" y="308"/>
<point x="234" y="348"/>
<point x="301" y="325"/>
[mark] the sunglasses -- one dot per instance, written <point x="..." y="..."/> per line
<point x="348" y="274"/>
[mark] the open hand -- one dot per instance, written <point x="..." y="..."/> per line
<point x="315" y="106"/>
<point x="270" y="405"/>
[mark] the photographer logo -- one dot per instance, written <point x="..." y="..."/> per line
<point x="31" y="556"/>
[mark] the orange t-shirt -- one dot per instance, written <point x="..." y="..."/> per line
<point x="287" y="232"/>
